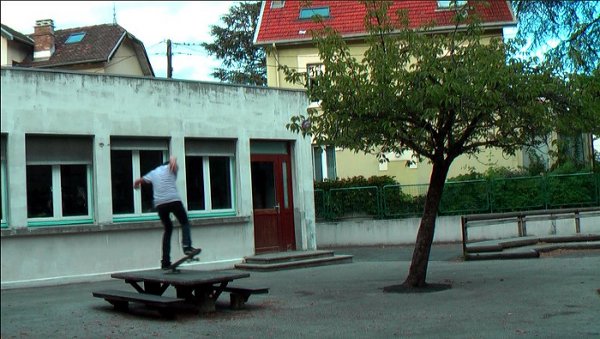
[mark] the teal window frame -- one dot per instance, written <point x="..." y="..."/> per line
<point x="75" y="38"/>
<point x="308" y="13"/>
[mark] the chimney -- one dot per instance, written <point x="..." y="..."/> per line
<point x="43" y="39"/>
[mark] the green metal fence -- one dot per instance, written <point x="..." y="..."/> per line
<point x="463" y="197"/>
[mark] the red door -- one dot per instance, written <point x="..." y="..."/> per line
<point x="272" y="203"/>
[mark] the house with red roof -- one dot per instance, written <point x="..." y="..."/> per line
<point x="106" y="48"/>
<point x="284" y="30"/>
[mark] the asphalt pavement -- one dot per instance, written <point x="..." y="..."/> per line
<point x="554" y="296"/>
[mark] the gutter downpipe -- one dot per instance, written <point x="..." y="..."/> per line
<point x="275" y="54"/>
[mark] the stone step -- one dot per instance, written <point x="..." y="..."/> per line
<point x="295" y="262"/>
<point x="277" y="257"/>
<point x="530" y="251"/>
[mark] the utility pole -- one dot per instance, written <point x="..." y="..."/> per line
<point x="169" y="58"/>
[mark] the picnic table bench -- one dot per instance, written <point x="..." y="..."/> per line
<point x="120" y="300"/>
<point x="238" y="296"/>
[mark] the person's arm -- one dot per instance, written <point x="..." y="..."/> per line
<point x="138" y="182"/>
<point x="173" y="164"/>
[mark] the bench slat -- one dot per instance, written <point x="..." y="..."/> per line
<point x="135" y="296"/>
<point x="246" y="290"/>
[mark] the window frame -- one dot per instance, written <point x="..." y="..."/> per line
<point x="48" y="150"/>
<point x="311" y="69"/>
<point x="450" y="4"/>
<point x="3" y="186"/>
<point x="324" y="157"/>
<point x="135" y="145"/>
<point x="58" y="216"/>
<point x="277" y="4"/>
<point x="74" y="38"/>
<point x="207" y="149"/>
<point x="311" y="12"/>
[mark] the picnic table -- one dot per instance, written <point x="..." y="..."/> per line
<point x="200" y="289"/>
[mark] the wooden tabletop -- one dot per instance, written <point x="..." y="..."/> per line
<point x="182" y="277"/>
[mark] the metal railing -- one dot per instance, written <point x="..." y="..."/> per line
<point x="462" y="197"/>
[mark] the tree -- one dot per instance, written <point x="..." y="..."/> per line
<point x="574" y="28"/>
<point x="574" y="24"/>
<point x="243" y="62"/>
<point x="439" y="95"/>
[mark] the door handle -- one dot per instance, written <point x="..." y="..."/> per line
<point x="276" y="207"/>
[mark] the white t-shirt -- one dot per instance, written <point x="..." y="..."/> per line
<point x="163" y="185"/>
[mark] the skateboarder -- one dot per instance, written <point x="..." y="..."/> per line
<point x="167" y="201"/>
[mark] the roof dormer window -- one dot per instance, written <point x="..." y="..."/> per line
<point x="75" y="37"/>
<point x="277" y="4"/>
<point x="451" y="3"/>
<point x="307" y="13"/>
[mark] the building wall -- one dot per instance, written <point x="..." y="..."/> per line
<point x="101" y="107"/>
<point x="125" y="61"/>
<point x="12" y="51"/>
<point x="377" y="232"/>
<point x="349" y="163"/>
<point x="419" y="173"/>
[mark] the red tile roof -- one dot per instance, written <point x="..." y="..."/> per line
<point x="282" y="25"/>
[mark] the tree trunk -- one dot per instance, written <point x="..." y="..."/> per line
<point x="420" y="259"/>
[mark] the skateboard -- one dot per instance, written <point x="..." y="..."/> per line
<point x="189" y="257"/>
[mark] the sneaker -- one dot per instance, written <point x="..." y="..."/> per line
<point x="165" y="266"/>
<point x="189" y="249"/>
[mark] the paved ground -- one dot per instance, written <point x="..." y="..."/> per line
<point x="555" y="296"/>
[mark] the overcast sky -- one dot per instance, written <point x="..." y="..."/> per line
<point x="152" y="22"/>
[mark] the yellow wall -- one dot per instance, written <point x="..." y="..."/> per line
<point x="348" y="163"/>
<point x="351" y="164"/>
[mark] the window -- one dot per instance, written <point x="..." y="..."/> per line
<point x="307" y="13"/>
<point x="324" y="163"/>
<point x="129" y="160"/>
<point x="451" y="3"/>
<point x="75" y="37"/>
<point x="313" y="71"/>
<point x="3" y="190"/>
<point x="209" y="175"/>
<point x="277" y="4"/>
<point x="58" y="182"/>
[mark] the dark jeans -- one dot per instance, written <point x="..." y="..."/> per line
<point x="164" y="212"/>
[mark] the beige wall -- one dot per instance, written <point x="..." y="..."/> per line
<point x="351" y="164"/>
<point x="12" y="51"/>
<point x="124" y="62"/>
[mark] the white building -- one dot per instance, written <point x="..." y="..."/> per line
<point x="72" y="144"/>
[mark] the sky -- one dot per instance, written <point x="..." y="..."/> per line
<point x="152" y="22"/>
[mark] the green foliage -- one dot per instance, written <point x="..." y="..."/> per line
<point x="517" y="193"/>
<point x="471" y="196"/>
<point x="396" y="202"/>
<point x="356" y="181"/>
<point x="499" y="189"/>
<point x="355" y="196"/>
<point x="572" y="190"/>
<point x="243" y="62"/>
<point x="574" y="24"/>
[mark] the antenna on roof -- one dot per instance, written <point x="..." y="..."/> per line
<point x="114" y="14"/>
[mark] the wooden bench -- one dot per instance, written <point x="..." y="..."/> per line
<point x="120" y="300"/>
<point x="238" y="296"/>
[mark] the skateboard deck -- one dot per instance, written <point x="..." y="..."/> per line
<point x="189" y="257"/>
